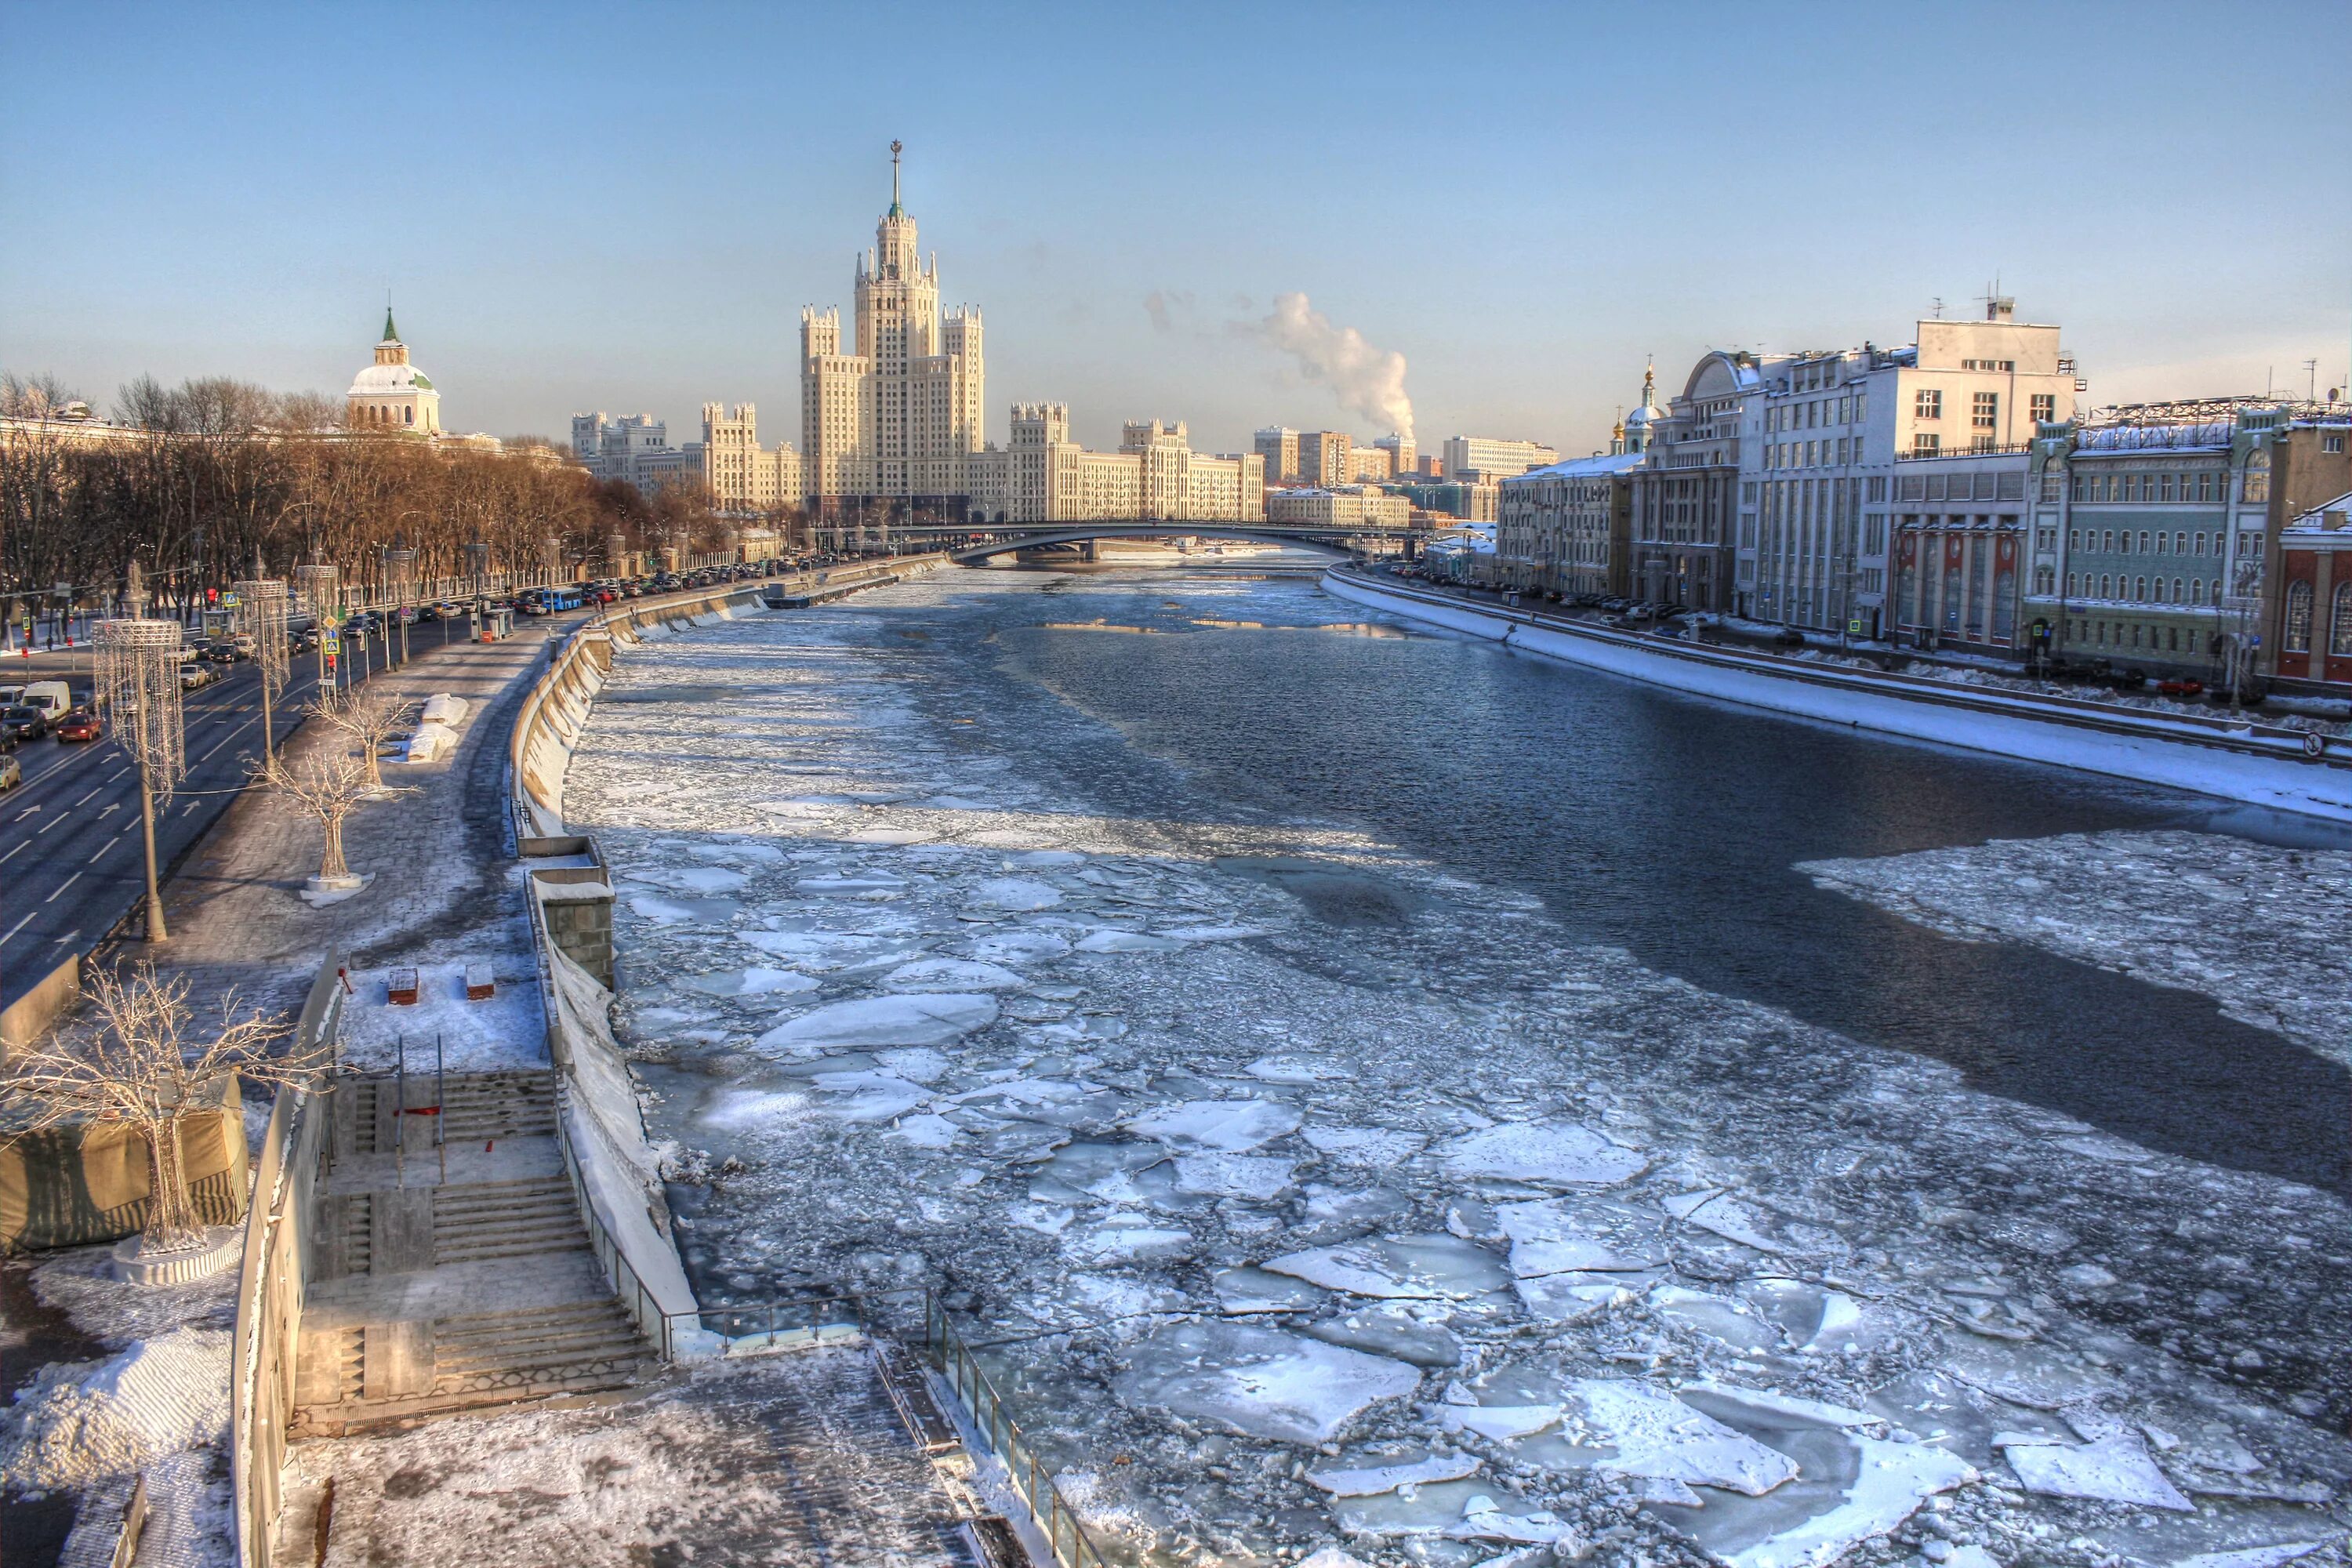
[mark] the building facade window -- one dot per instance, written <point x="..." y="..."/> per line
<point x="2257" y="485"/>
<point x="2339" y="621"/>
<point x="2297" y="638"/>
<point x="1927" y="441"/>
<point x="1928" y="404"/>
<point x="2044" y="407"/>
<point x="1984" y="411"/>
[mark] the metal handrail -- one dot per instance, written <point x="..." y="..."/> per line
<point x="1030" y="1482"/>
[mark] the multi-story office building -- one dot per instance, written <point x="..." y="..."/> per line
<point x="1486" y="460"/>
<point x="2158" y="531"/>
<point x="1041" y="475"/>
<point x="1277" y="446"/>
<point x="1959" y="539"/>
<point x="1327" y="457"/>
<point x="897" y="415"/>
<point x="1465" y="502"/>
<point x="1685" y="492"/>
<point x="1566" y="528"/>
<point x="1343" y="506"/>
<point x="1824" y="444"/>
<point x="1403" y="456"/>
<point x="1372" y="465"/>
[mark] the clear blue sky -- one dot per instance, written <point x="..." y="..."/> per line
<point x="624" y="207"/>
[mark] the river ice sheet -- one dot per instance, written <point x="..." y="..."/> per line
<point x="1227" y="1190"/>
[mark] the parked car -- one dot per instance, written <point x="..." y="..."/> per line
<point x="2180" y="687"/>
<point x="24" y="723"/>
<point x="11" y="772"/>
<point x="82" y="724"/>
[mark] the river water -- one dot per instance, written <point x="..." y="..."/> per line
<point x="1189" y="976"/>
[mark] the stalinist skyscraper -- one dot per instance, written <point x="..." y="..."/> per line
<point x="899" y="417"/>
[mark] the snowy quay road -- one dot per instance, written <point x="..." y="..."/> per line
<point x="1368" y="1090"/>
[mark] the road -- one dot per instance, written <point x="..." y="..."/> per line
<point x="70" y="857"/>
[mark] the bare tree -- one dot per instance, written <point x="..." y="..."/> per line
<point x="328" y="784"/>
<point x="147" y="1063"/>
<point x="369" y="719"/>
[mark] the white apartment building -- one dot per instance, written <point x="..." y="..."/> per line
<point x="728" y="461"/>
<point x="1345" y="506"/>
<point x="1403" y="453"/>
<point x="740" y="475"/>
<point x="1372" y="465"/>
<point x="898" y="414"/>
<point x="1823" y="446"/>
<point x="1473" y="458"/>
<point x="1041" y="475"/>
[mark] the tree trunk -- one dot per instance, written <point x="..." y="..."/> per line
<point x="368" y="745"/>
<point x="170" y="1213"/>
<point x="333" y="865"/>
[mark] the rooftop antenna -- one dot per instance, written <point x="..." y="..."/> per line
<point x="896" y="147"/>
<point x="2311" y="373"/>
<point x="1939" y="306"/>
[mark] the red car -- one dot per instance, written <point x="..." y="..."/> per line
<point x="2180" y="687"/>
<point x="82" y="724"/>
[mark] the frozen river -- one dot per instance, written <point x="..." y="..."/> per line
<point x="1379" y="1093"/>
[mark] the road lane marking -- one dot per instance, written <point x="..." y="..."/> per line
<point x="12" y="854"/>
<point x="52" y="822"/>
<point x="68" y="882"/>
<point x="103" y="849"/>
<point x="13" y="930"/>
<point x="70" y="936"/>
<point x="117" y="773"/>
<point x="83" y="800"/>
<point x="225" y="740"/>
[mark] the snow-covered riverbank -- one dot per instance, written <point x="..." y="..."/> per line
<point x="1309" y="1195"/>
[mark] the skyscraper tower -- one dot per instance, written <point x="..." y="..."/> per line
<point x="897" y="415"/>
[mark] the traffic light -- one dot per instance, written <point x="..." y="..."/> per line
<point x="212" y="595"/>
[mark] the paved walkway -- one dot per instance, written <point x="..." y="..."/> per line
<point x="437" y="856"/>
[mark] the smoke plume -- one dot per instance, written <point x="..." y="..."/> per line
<point x="1366" y="380"/>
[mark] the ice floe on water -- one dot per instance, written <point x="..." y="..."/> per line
<point x="2258" y="928"/>
<point x="1299" y="1226"/>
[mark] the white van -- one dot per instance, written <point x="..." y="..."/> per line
<point x="11" y="695"/>
<point x="51" y="697"/>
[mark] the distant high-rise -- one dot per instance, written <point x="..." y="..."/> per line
<point x="1278" y="444"/>
<point x="899" y="414"/>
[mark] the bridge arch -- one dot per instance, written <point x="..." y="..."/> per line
<point x="1080" y="533"/>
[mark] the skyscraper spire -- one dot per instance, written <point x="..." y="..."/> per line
<point x="896" y="210"/>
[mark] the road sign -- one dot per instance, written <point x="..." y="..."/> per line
<point x="333" y="642"/>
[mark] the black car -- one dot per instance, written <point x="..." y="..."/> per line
<point x="21" y="724"/>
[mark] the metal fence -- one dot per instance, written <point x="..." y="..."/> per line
<point x="1030" y="1478"/>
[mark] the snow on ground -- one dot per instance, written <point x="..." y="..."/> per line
<point x="2258" y="928"/>
<point x="156" y="1404"/>
<point x="506" y="1029"/>
<point x="1230" y="1195"/>
<point x="792" y="1459"/>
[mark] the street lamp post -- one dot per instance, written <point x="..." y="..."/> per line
<point x="138" y="669"/>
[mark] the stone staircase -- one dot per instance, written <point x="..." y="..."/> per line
<point x="456" y="1277"/>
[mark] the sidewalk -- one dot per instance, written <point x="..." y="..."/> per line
<point x="437" y="857"/>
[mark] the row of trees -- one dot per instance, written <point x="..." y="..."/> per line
<point x="202" y="483"/>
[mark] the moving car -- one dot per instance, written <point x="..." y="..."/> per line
<point x="11" y="772"/>
<point x="24" y="723"/>
<point x="82" y="724"/>
<point x="196" y="677"/>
